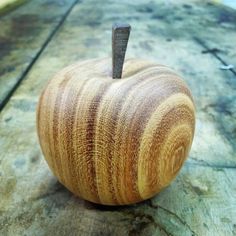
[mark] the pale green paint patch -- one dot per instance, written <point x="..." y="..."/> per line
<point x="8" y="5"/>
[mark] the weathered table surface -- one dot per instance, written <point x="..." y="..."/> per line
<point x="195" y="38"/>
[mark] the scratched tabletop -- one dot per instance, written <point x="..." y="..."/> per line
<point x="196" y="38"/>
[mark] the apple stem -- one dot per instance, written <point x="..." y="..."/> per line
<point x="120" y="38"/>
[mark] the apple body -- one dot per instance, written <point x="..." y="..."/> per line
<point x="115" y="141"/>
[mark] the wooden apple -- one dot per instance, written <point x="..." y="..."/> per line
<point x="116" y="141"/>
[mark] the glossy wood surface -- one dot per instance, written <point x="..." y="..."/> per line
<point x="116" y="141"/>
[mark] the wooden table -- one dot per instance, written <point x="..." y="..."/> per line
<point x="196" y="38"/>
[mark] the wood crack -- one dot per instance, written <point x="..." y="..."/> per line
<point x="213" y="52"/>
<point x="155" y="206"/>
<point x="140" y="221"/>
<point x="210" y="165"/>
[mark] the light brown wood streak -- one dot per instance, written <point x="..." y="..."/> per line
<point x="112" y="141"/>
<point x="136" y="127"/>
<point x="154" y="142"/>
<point x="114" y="98"/>
<point x="67" y="114"/>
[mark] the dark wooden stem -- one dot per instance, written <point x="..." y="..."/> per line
<point x="120" y="37"/>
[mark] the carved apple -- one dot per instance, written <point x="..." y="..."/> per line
<point x="115" y="141"/>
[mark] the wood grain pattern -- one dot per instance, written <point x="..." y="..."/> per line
<point x="115" y="142"/>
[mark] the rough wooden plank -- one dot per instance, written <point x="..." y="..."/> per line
<point x="220" y="34"/>
<point x="193" y="205"/>
<point x="202" y="199"/>
<point x="23" y="34"/>
<point x="217" y="28"/>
